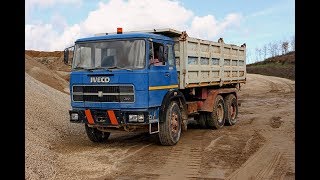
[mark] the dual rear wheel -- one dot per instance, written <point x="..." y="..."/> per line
<point x="225" y="111"/>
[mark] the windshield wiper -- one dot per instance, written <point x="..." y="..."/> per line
<point x="77" y="68"/>
<point x="99" y="67"/>
<point x="104" y="68"/>
<point x="116" y="67"/>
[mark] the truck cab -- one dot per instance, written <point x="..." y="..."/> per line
<point x="153" y="81"/>
<point x="116" y="83"/>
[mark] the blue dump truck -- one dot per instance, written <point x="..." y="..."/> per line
<point x="155" y="81"/>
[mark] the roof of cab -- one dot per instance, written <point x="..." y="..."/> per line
<point x="125" y="36"/>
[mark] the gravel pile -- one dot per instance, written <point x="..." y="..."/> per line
<point x="45" y="75"/>
<point x="46" y="124"/>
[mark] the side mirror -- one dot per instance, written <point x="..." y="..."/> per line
<point x="66" y="56"/>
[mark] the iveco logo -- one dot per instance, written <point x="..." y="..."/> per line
<point x="100" y="79"/>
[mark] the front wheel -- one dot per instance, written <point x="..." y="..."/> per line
<point x="95" y="135"/>
<point x="170" y="130"/>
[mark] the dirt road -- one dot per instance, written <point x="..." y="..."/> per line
<point x="260" y="146"/>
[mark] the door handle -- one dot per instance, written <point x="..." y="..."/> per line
<point x="167" y="74"/>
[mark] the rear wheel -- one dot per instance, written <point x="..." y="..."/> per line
<point x="95" y="135"/>
<point x="232" y="109"/>
<point x="216" y="119"/>
<point x="170" y="130"/>
<point x="202" y="120"/>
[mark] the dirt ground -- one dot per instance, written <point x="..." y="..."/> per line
<point x="260" y="146"/>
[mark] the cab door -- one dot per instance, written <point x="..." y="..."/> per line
<point x="163" y="75"/>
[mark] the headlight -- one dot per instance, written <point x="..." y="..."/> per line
<point x="141" y="118"/>
<point x="74" y="116"/>
<point x="133" y="118"/>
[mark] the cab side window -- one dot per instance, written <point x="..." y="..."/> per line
<point x="157" y="57"/>
<point x="170" y="55"/>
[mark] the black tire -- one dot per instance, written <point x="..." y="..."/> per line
<point x="216" y="119"/>
<point x="95" y="135"/>
<point x="202" y="120"/>
<point x="170" y="130"/>
<point x="231" y="109"/>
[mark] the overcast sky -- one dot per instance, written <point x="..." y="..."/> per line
<point x="55" y="24"/>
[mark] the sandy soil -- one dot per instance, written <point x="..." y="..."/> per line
<point x="260" y="146"/>
<point x="51" y="76"/>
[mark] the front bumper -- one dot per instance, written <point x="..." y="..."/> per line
<point x="110" y="117"/>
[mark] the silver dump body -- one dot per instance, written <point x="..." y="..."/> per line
<point x="206" y="63"/>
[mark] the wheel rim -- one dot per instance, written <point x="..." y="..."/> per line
<point x="220" y="113"/>
<point x="233" y="111"/>
<point x="174" y="123"/>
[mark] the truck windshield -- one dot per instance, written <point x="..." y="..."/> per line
<point x="121" y="54"/>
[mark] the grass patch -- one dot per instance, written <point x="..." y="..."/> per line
<point x="280" y="66"/>
<point x="274" y="69"/>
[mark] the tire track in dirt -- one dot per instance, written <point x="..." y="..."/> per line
<point x="184" y="161"/>
<point x="253" y="164"/>
<point x="277" y="85"/>
<point x="275" y="159"/>
<point x="266" y="172"/>
<point x="290" y="86"/>
<point x="264" y="163"/>
<point x="181" y="161"/>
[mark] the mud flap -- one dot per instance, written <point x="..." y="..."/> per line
<point x="154" y="128"/>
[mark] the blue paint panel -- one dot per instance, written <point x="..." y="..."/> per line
<point x="75" y="77"/>
<point x="158" y="76"/>
<point x="174" y="76"/>
<point x="156" y="97"/>
<point x="140" y="79"/>
<point x="77" y="105"/>
<point x="93" y="105"/>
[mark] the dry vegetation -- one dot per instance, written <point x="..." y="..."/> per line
<point x="280" y="66"/>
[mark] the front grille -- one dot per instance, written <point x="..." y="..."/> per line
<point x="119" y="93"/>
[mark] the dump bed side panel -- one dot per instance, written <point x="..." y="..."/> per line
<point x="206" y="63"/>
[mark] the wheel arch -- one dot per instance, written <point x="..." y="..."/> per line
<point x="174" y="95"/>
